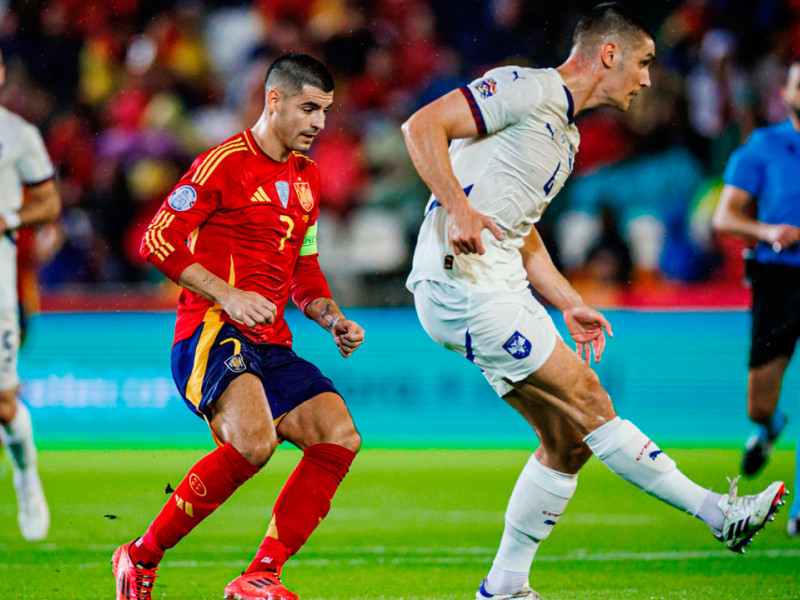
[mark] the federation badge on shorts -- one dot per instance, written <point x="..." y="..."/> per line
<point x="518" y="346"/>
<point x="182" y="198"/>
<point x="304" y="195"/>
<point x="236" y="363"/>
<point x="282" y="187"/>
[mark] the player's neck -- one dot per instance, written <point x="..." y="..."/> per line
<point x="269" y="143"/>
<point x="579" y="77"/>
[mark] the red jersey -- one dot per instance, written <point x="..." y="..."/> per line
<point x="252" y="222"/>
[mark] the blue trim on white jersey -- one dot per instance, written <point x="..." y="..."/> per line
<point x="570" y="107"/>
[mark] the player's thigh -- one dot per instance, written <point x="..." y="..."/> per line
<point x="323" y="419"/>
<point x="301" y="396"/>
<point x="508" y="335"/>
<point x="561" y="446"/>
<point x="241" y="416"/>
<point x="570" y="387"/>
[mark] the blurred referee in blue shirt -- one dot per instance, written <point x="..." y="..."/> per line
<point x="761" y="201"/>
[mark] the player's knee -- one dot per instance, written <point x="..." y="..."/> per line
<point x="592" y="401"/>
<point x="257" y="446"/>
<point x="8" y="405"/>
<point x="346" y="436"/>
<point x="351" y="440"/>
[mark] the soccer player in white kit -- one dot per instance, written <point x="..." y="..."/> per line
<point x="512" y="142"/>
<point x="23" y="162"/>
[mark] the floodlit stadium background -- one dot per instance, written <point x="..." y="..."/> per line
<point x="128" y="92"/>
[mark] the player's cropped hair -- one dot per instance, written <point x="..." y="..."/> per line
<point x="607" y="20"/>
<point x="290" y="72"/>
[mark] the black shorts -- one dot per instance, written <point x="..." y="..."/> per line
<point x="204" y="364"/>
<point x="776" y="311"/>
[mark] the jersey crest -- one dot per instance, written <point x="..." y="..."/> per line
<point x="304" y="195"/>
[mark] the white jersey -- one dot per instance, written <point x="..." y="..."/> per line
<point x="519" y="161"/>
<point x="23" y="161"/>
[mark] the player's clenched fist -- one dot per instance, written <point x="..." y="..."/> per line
<point x="249" y="308"/>
<point x="466" y="226"/>
<point x="348" y="336"/>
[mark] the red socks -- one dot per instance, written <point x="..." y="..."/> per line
<point x="207" y="485"/>
<point x="302" y="504"/>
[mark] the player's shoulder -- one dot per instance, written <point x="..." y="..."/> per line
<point x="765" y="136"/>
<point x="304" y="165"/>
<point x="222" y="157"/>
<point x="13" y="123"/>
<point x="303" y="161"/>
<point x="513" y="81"/>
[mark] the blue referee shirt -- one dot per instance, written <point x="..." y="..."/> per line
<point x="767" y="167"/>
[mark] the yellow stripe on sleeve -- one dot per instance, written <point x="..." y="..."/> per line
<point x="222" y="156"/>
<point x="198" y="174"/>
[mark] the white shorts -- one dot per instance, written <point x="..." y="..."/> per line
<point x="9" y="346"/>
<point x="508" y="335"/>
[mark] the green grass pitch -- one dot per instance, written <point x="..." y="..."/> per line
<point x="410" y="524"/>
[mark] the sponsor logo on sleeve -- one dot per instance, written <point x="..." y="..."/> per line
<point x="486" y="88"/>
<point x="518" y="346"/>
<point x="182" y="198"/>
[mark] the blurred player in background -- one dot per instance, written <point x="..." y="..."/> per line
<point x="764" y="172"/>
<point x="514" y="142"/>
<point x="248" y="209"/>
<point x="23" y="162"/>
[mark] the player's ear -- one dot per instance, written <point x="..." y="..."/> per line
<point x="273" y="96"/>
<point x="609" y="54"/>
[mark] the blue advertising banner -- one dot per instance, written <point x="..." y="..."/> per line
<point x="104" y="379"/>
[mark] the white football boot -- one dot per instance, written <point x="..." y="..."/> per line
<point x="33" y="514"/>
<point x="526" y="593"/>
<point x="746" y="515"/>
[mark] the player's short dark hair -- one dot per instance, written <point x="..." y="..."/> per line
<point x="292" y="71"/>
<point x="608" y="19"/>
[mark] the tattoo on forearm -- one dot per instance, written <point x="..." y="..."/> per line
<point x="324" y="311"/>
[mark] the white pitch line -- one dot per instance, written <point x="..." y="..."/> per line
<point x="382" y="556"/>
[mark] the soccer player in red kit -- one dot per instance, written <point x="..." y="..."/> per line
<point x="238" y="233"/>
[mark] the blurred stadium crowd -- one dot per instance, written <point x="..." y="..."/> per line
<point x="128" y="92"/>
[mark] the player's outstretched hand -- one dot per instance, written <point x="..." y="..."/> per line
<point x="466" y="225"/>
<point x="348" y="336"/>
<point x="586" y="326"/>
<point x="249" y="308"/>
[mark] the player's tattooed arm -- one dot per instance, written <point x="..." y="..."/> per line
<point x="347" y="334"/>
<point x="249" y="308"/>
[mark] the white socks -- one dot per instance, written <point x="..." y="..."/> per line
<point x="17" y="437"/>
<point x="634" y="457"/>
<point x="538" y="500"/>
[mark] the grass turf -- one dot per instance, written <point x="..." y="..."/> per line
<point x="411" y="524"/>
